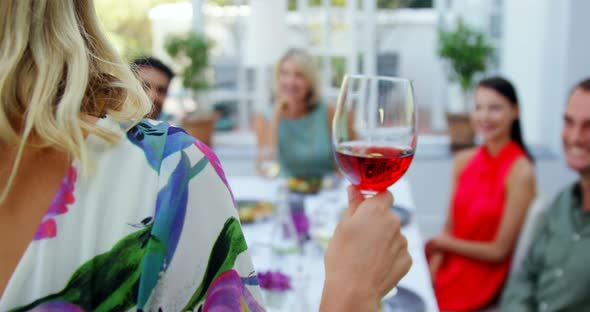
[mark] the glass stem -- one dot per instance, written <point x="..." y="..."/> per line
<point x="368" y="194"/>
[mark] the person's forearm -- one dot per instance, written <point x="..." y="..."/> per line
<point x="273" y="129"/>
<point x="345" y="297"/>
<point x="434" y="263"/>
<point x="485" y="251"/>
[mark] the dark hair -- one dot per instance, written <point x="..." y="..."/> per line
<point x="584" y="85"/>
<point x="506" y="89"/>
<point x="153" y="62"/>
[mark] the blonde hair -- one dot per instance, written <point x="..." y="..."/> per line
<point x="55" y="65"/>
<point x="307" y="66"/>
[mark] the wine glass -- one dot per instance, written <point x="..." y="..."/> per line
<point x="374" y="131"/>
<point x="267" y="164"/>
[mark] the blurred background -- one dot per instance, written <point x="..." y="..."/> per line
<point x="538" y="44"/>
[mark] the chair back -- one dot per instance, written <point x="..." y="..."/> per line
<point x="528" y="232"/>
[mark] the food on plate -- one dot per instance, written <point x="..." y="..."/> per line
<point x="253" y="210"/>
<point x="308" y="185"/>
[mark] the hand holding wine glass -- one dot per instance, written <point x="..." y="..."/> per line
<point x="379" y="147"/>
<point x="367" y="256"/>
<point x="374" y="132"/>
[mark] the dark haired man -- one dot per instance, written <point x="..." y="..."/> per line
<point x="554" y="276"/>
<point x="156" y="77"/>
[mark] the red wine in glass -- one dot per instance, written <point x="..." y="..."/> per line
<point x="372" y="168"/>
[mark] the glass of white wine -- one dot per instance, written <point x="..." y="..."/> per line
<point x="267" y="163"/>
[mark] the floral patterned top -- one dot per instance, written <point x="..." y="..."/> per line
<point x="152" y="227"/>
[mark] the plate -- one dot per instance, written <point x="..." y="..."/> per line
<point x="404" y="300"/>
<point x="331" y="182"/>
<point x="254" y="210"/>
<point x="404" y="214"/>
<point x="304" y="185"/>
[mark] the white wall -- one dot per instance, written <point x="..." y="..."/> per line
<point x="522" y="59"/>
<point x="266" y="33"/>
<point x="414" y="38"/>
<point x="474" y="12"/>
<point x="578" y="47"/>
<point x="166" y="20"/>
<point x="545" y="53"/>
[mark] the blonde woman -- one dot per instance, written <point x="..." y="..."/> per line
<point x="300" y="123"/>
<point x="101" y="210"/>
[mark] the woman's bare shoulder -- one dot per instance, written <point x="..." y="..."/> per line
<point x="522" y="171"/>
<point x="463" y="157"/>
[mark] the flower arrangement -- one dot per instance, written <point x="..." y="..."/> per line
<point x="301" y="223"/>
<point x="274" y="286"/>
<point x="275" y="281"/>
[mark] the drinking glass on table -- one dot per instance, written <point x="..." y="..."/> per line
<point x="284" y="239"/>
<point x="267" y="163"/>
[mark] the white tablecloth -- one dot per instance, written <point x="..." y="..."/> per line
<point x="258" y="235"/>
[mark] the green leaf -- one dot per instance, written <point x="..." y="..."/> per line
<point x="197" y="168"/>
<point x="229" y="244"/>
<point x="107" y="282"/>
<point x="192" y="50"/>
<point x="128" y="29"/>
<point x="467" y="51"/>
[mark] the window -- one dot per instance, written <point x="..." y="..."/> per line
<point x="388" y="64"/>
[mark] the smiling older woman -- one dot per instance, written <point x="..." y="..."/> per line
<point x="299" y="125"/>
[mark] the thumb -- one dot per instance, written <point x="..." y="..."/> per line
<point x="355" y="198"/>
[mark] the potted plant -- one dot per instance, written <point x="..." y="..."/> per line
<point x="191" y="52"/>
<point x="467" y="53"/>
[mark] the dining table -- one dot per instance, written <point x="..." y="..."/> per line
<point x="306" y="267"/>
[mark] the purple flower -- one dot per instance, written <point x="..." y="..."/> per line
<point x="274" y="281"/>
<point x="228" y="293"/>
<point x="301" y="223"/>
<point x="59" y="205"/>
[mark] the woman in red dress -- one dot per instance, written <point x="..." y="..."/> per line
<point x="493" y="186"/>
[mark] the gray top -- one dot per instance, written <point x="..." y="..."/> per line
<point x="305" y="147"/>
<point x="555" y="275"/>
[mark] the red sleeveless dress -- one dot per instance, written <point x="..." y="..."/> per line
<point x="465" y="284"/>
